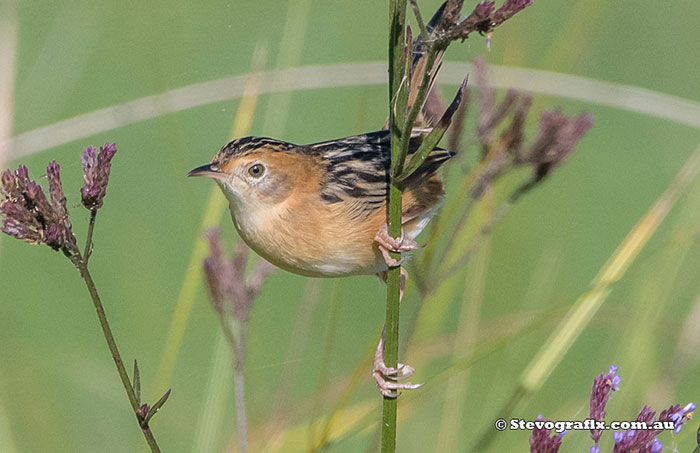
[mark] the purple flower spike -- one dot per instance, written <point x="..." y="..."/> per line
<point x="22" y="174"/>
<point x="53" y="237"/>
<point x="217" y="271"/>
<point x="20" y="230"/>
<point x="556" y="140"/>
<point x="8" y="182"/>
<point x="231" y="292"/>
<point x="89" y="155"/>
<point x="513" y="6"/>
<point x="96" y="169"/>
<point x="678" y="415"/>
<point x="615" y="381"/>
<point x="647" y="426"/>
<point x="643" y="441"/>
<point x="58" y="198"/>
<point x="618" y="436"/>
<point x="483" y="10"/>
<point x="484" y="18"/>
<point x="29" y="215"/>
<point x="603" y="386"/>
<point x="541" y="442"/>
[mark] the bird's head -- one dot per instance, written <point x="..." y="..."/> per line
<point x="255" y="173"/>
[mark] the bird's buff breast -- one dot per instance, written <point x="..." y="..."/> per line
<point x="299" y="243"/>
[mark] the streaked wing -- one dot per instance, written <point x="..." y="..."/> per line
<point x="358" y="169"/>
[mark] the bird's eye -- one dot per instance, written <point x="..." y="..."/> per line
<point x="256" y="170"/>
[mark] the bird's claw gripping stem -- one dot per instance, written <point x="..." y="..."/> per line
<point x="387" y="243"/>
<point x="387" y="377"/>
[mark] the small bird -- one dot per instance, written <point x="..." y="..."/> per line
<point x="320" y="209"/>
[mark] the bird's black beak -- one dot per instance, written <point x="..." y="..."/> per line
<point x="210" y="170"/>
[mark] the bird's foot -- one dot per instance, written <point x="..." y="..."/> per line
<point x="387" y="243"/>
<point x="387" y="377"/>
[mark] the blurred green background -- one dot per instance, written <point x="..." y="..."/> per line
<point x="58" y="387"/>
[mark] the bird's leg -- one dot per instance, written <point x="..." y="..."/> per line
<point x="387" y="377"/>
<point x="387" y="244"/>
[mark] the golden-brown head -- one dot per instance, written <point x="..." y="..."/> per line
<point x="252" y="172"/>
<point x="315" y="209"/>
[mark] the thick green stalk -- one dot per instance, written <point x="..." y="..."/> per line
<point x="391" y="345"/>
<point x="397" y="64"/>
<point x="397" y="20"/>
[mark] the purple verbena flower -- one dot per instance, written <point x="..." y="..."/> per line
<point x="678" y="415"/>
<point x="7" y="183"/>
<point x="22" y="174"/>
<point x="542" y="441"/>
<point x="615" y="381"/>
<point x="230" y="290"/>
<point x="58" y="198"/>
<point x="511" y="7"/>
<point x="20" y="230"/>
<point x="637" y="440"/>
<point x="29" y="215"/>
<point x="96" y="169"/>
<point x="644" y="440"/>
<point x="483" y="10"/>
<point x="217" y="271"/>
<point x="513" y="136"/>
<point x="556" y="140"/>
<point x="618" y="436"/>
<point x="642" y="436"/>
<point x="484" y="18"/>
<point x="504" y="147"/>
<point x="603" y="386"/>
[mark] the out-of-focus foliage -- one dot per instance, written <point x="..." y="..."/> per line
<point x="58" y="389"/>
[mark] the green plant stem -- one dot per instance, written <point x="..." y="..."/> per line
<point x="391" y="345"/>
<point x="236" y="334"/>
<point x="88" y="242"/>
<point x="81" y="264"/>
<point x="397" y="12"/>
<point x="397" y="54"/>
<point x="111" y="343"/>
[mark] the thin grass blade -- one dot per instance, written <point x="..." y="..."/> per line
<point x="564" y="336"/>
<point x="435" y="135"/>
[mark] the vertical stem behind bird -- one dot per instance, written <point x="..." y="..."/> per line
<point x="397" y="56"/>
<point x="445" y="27"/>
